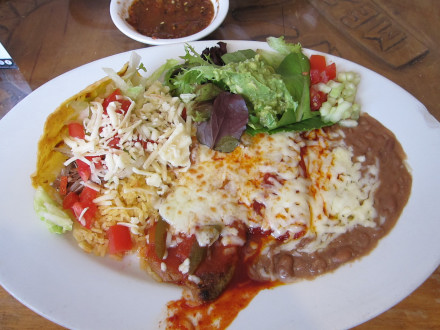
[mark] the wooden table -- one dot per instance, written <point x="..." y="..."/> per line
<point x="397" y="38"/>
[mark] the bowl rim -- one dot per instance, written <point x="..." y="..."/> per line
<point x="117" y="7"/>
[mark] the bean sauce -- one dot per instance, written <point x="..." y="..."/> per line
<point x="374" y="141"/>
<point x="168" y="19"/>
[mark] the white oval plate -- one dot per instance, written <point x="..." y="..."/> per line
<point x="52" y="276"/>
<point x="119" y="12"/>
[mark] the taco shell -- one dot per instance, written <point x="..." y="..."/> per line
<point x="49" y="160"/>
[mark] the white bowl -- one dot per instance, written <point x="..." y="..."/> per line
<point x="119" y="12"/>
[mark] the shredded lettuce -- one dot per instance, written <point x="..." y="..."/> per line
<point x="132" y="84"/>
<point x="55" y="218"/>
<point x="160" y="71"/>
<point x="283" y="47"/>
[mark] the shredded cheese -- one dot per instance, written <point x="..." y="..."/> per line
<point x="132" y="141"/>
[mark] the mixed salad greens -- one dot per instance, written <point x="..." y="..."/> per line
<point x="275" y="85"/>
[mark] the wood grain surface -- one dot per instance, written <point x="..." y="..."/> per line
<point x="399" y="39"/>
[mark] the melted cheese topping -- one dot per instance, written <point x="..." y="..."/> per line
<point x="262" y="183"/>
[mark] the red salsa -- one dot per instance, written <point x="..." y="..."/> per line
<point x="168" y="19"/>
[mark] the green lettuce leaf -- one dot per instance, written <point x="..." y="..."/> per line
<point x="55" y="218"/>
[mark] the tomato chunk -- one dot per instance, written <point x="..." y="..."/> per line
<point x="125" y="104"/>
<point x="85" y="218"/>
<point x="111" y="98"/>
<point x="96" y="160"/>
<point x="114" y="97"/>
<point x="63" y="185"/>
<point x="114" y="142"/>
<point x="317" y="62"/>
<point x="70" y="199"/>
<point x="87" y="195"/>
<point x="320" y="71"/>
<point x="119" y="239"/>
<point x="317" y="98"/>
<point x="83" y="170"/>
<point x="76" y="130"/>
<point x="330" y="71"/>
<point x="315" y="76"/>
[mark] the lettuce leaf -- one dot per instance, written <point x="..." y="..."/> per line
<point x="304" y="125"/>
<point x="227" y="123"/>
<point x="294" y="70"/>
<point x="239" y="56"/>
<point x="55" y="218"/>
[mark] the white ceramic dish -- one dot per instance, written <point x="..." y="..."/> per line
<point x="118" y="13"/>
<point x="52" y="276"/>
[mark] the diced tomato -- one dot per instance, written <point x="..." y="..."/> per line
<point x="63" y="185"/>
<point x="317" y="62"/>
<point x="70" y="199"/>
<point x="317" y="98"/>
<point x="320" y="71"/>
<point x="92" y="209"/>
<point x="114" y="142"/>
<point x="89" y="215"/>
<point x="324" y="77"/>
<point x="87" y="195"/>
<point x="125" y="104"/>
<point x="119" y="239"/>
<point x="315" y="76"/>
<point x="330" y="71"/>
<point x="184" y="115"/>
<point x="76" y="130"/>
<point x="110" y="98"/>
<point x="83" y="170"/>
<point x="77" y="209"/>
<point x="96" y="160"/>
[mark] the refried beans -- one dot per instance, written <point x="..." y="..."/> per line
<point x="377" y="144"/>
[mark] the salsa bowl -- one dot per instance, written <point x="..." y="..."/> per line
<point x="119" y="14"/>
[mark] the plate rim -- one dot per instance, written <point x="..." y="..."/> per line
<point x="49" y="84"/>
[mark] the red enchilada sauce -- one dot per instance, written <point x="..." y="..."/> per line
<point x="168" y="19"/>
<point x="221" y="312"/>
